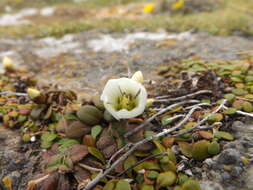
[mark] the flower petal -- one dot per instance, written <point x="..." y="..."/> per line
<point x="138" y="77"/>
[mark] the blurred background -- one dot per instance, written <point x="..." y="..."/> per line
<point x="218" y="17"/>
<point x="73" y="43"/>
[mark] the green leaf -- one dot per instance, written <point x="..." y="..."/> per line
<point x="200" y="150"/>
<point x="95" y="131"/>
<point x="149" y="133"/>
<point x="166" y="120"/>
<point x="70" y="117"/>
<point x="223" y="135"/>
<point x="47" y="139"/>
<point x="152" y="174"/>
<point x="230" y="111"/>
<point x="166" y="179"/>
<point x="123" y="185"/>
<point x="131" y="160"/>
<point x="147" y="187"/>
<point x="160" y="147"/>
<point x="56" y="117"/>
<point x="96" y="153"/>
<point x="186" y="149"/>
<point x="239" y="92"/>
<point x="229" y="97"/>
<point x="214" y="148"/>
<point x="109" y="185"/>
<point x="65" y="143"/>
<point x="191" y="184"/>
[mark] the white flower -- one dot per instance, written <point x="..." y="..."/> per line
<point x="124" y="98"/>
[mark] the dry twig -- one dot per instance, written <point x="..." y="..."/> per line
<point x="240" y="112"/>
<point x="157" y="114"/>
<point x="202" y="121"/>
<point x="166" y="99"/>
<point x="245" y="99"/>
<point x="13" y="93"/>
<point x="135" y="146"/>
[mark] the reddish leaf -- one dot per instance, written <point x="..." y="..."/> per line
<point x="77" y="152"/>
<point x="81" y="174"/>
<point x="89" y="141"/>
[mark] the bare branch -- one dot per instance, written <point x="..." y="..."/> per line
<point x="157" y="114"/>
<point x="166" y="99"/>
<point x="13" y="93"/>
<point x="123" y="149"/>
<point x="245" y="99"/>
<point x="200" y="104"/>
<point x="241" y="112"/>
<point x="135" y="146"/>
<point x="202" y="121"/>
<point x="90" y="168"/>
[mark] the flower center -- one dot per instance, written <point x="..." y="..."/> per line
<point x="126" y="101"/>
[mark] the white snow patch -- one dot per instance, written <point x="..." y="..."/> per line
<point x="52" y="47"/>
<point x="19" y="17"/>
<point x="107" y="43"/>
<point x="47" y="11"/>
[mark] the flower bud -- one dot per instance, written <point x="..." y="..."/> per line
<point x="138" y="77"/>
<point x="33" y="93"/>
<point x="8" y="64"/>
<point x="150" y="101"/>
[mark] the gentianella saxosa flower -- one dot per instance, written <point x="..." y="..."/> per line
<point x="125" y="98"/>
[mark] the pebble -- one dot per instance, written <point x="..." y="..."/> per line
<point x="237" y="125"/>
<point x="236" y="171"/>
<point x="225" y="176"/>
<point x="209" y="162"/>
<point x="249" y="181"/>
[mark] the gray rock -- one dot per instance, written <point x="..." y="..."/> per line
<point x="236" y="171"/>
<point x="232" y="188"/>
<point x="209" y="185"/>
<point x="229" y="156"/>
<point x="209" y="162"/>
<point x="225" y="176"/>
<point x="237" y="125"/>
<point x="249" y="177"/>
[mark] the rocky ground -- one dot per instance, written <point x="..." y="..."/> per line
<point x="76" y="61"/>
<point x="84" y="61"/>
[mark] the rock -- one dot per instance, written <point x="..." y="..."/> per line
<point x="237" y="126"/>
<point x="225" y="176"/>
<point x="229" y="156"/>
<point x="236" y="171"/>
<point x="209" y="162"/>
<point x="210" y="185"/>
<point x="249" y="177"/>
